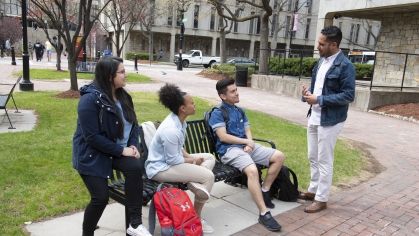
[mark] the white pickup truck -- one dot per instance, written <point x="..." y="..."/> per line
<point x="195" y="57"/>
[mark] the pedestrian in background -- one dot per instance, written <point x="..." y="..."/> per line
<point x="7" y="46"/>
<point x="39" y="49"/>
<point x="30" y="50"/>
<point x="48" y="46"/>
<point x="332" y="89"/>
<point x="160" y="55"/>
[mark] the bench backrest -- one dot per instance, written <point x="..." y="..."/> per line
<point x="4" y="102"/>
<point x="196" y="141"/>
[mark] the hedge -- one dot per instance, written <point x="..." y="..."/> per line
<point x="292" y="67"/>
<point x="140" y="56"/>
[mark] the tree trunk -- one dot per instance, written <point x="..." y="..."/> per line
<point x="59" y="52"/>
<point x="223" y="49"/>
<point x="264" y="43"/>
<point x="73" y="73"/>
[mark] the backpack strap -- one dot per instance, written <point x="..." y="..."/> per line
<point x="294" y="177"/>
<point x="152" y="217"/>
<point x="226" y="116"/>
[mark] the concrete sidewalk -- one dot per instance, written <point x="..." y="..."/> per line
<point x="387" y="204"/>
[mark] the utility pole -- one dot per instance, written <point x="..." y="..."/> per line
<point x="182" y="31"/>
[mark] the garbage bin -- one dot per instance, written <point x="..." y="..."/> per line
<point x="241" y="76"/>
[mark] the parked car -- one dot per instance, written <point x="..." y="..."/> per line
<point x="240" y="61"/>
<point x="195" y="57"/>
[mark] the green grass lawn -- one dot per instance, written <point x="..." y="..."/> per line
<point x="38" y="181"/>
<point x="51" y="74"/>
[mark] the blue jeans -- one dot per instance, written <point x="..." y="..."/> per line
<point x="99" y="192"/>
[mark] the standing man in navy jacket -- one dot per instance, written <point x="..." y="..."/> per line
<point x="332" y="89"/>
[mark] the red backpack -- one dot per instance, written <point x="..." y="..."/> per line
<point x="176" y="205"/>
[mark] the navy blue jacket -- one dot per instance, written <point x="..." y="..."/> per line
<point x="94" y="142"/>
<point x="338" y="90"/>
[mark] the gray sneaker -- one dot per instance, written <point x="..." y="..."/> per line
<point x="206" y="227"/>
<point x="199" y="190"/>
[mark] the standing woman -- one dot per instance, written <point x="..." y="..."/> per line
<point x="167" y="160"/>
<point x="107" y="137"/>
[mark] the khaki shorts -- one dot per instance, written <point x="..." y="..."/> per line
<point x="237" y="157"/>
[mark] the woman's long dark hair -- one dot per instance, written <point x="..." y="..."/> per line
<point x="172" y="97"/>
<point x="105" y="74"/>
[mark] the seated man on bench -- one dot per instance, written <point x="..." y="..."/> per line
<point x="236" y="147"/>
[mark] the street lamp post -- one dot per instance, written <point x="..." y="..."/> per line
<point x="307" y="3"/>
<point x="182" y="31"/>
<point x="26" y="84"/>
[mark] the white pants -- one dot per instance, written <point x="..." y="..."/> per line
<point x="321" y="144"/>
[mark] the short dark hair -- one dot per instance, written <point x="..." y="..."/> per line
<point x="333" y="34"/>
<point x="171" y="97"/>
<point x="223" y="84"/>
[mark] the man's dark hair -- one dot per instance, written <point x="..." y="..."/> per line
<point x="172" y="97"/>
<point x="333" y="34"/>
<point x="223" y="84"/>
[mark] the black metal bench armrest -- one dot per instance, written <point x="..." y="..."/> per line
<point x="266" y="141"/>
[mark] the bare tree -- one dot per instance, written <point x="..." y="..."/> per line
<point x="265" y="11"/>
<point x="58" y="13"/>
<point x="277" y="23"/>
<point x="367" y="25"/>
<point x="123" y="16"/>
<point x="10" y="28"/>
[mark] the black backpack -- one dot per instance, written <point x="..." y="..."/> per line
<point x="212" y="139"/>
<point x="282" y="188"/>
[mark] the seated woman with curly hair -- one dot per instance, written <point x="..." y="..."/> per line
<point x="169" y="162"/>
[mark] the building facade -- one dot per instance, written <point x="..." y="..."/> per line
<point x="398" y="43"/>
<point x="202" y="31"/>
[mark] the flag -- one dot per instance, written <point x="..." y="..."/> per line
<point x="295" y="22"/>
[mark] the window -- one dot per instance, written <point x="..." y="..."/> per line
<point x="353" y="36"/>
<point x="236" y="24"/>
<point x="212" y="21"/>
<point x="368" y="35"/>
<point x="307" y="28"/>
<point x="273" y="25"/>
<point x="288" y="26"/>
<point x="289" y="5"/>
<point x="143" y="44"/>
<point x="196" y="16"/>
<point x="252" y="22"/>
<point x="169" y="20"/>
<point x="296" y="5"/>
<point x="258" y="26"/>
<point x="168" y="45"/>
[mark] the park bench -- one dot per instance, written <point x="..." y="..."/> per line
<point x="85" y="67"/>
<point x="4" y="99"/>
<point x="196" y="142"/>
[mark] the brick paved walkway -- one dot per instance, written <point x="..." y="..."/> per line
<point x="384" y="205"/>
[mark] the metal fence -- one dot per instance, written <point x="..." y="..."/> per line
<point x="390" y="70"/>
<point x="85" y="67"/>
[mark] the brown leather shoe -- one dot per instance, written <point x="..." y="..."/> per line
<point x="316" y="206"/>
<point x="307" y="196"/>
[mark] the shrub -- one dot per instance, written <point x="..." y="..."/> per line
<point x="363" y="70"/>
<point x="291" y="66"/>
<point x="140" y="56"/>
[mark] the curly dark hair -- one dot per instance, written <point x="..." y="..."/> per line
<point x="171" y="97"/>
